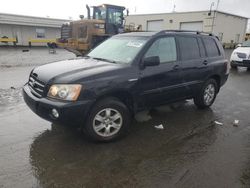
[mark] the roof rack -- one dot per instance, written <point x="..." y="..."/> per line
<point x="186" y="31"/>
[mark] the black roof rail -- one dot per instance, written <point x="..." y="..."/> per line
<point x="186" y="31"/>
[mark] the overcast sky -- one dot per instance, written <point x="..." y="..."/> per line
<point x="66" y="9"/>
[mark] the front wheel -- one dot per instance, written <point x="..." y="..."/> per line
<point x="207" y="94"/>
<point x="108" y="120"/>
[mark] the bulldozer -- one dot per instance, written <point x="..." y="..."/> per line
<point x="82" y="35"/>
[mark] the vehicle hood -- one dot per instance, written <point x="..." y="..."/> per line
<point x="71" y="70"/>
<point x="245" y="50"/>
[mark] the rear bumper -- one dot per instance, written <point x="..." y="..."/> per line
<point x="244" y="63"/>
<point x="69" y="112"/>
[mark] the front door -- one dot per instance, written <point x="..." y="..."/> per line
<point x="160" y="84"/>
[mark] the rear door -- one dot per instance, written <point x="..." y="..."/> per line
<point x="160" y="84"/>
<point x="193" y="63"/>
<point x="216" y="62"/>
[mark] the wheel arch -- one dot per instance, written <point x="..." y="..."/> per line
<point x="217" y="78"/>
<point x="124" y="96"/>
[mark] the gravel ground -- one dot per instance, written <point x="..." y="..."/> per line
<point x="16" y="64"/>
<point x="11" y="56"/>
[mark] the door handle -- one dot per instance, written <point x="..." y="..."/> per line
<point x="176" y="67"/>
<point x="205" y="62"/>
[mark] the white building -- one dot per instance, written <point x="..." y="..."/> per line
<point x="229" y="28"/>
<point x="23" y="30"/>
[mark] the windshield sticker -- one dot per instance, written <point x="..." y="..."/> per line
<point x="136" y="44"/>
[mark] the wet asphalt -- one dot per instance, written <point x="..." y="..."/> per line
<point x="191" y="151"/>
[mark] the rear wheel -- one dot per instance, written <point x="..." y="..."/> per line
<point x="207" y="94"/>
<point x="109" y="119"/>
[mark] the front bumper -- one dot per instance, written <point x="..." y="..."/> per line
<point x="69" y="112"/>
<point x="244" y="63"/>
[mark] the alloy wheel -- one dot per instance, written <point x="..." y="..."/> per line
<point x="107" y="122"/>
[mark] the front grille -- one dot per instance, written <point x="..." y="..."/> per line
<point x="242" y="55"/>
<point x="36" y="86"/>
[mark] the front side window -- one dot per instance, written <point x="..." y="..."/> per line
<point x="40" y="33"/>
<point x="119" y="49"/>
<point x="189" y="48"/>
<point x="100" y="13"/>
<point x="115" y="16"/>
<point x="165" y="48"/>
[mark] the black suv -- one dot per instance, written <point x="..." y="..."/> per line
<point x="125" y="74"/>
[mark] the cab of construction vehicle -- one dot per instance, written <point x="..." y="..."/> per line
<point x="82" y="35"/>
<point x="112" y="15"/>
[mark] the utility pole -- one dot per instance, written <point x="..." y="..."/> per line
<point x="218" y="2"/>
<point x="215" y="13"/>
<point x="210" y="13"/>
<point x="174" y="8"/>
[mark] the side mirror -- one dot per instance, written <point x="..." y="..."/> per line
<point x="238" y="45"/>
<point x="151" y="61"/>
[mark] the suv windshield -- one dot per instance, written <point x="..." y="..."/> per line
<point x="246" y="44"/>
<point x="119" y="49"/>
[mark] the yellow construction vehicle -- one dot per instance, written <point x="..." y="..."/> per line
<point x="82" y="35"/>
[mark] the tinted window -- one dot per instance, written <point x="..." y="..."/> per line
<point x="211" y="47"/>
<point x="189" y="48"/>
<point x="114" y="16"/>
<point x="202" y="49"/>
<point x="165" y="48"/>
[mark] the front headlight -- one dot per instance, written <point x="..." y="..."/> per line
<point x="69" y="92"/>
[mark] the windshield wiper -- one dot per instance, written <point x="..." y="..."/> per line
<point x="103" y="59"/>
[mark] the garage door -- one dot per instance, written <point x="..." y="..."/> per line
<point x="195" y="26"/>
<point x="155" y="25"/>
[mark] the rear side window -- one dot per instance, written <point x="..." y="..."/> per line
<point x="189" y="48"/>
<point x="165" y="48"/>
<point x="202" y="48"/>
<point x="211" y="47"/>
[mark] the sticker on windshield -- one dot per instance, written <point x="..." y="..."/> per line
<point x="136" y="44"/>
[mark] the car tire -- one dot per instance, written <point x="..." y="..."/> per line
<point x="248" y="69"/>
<point x="108" y="120"/>
<point x="207" y="94"/>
